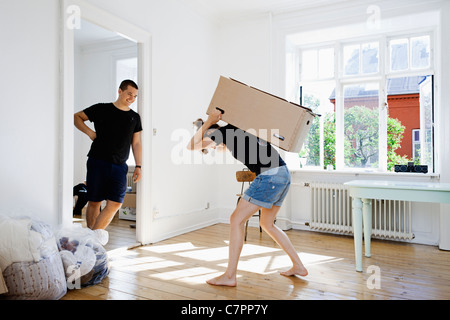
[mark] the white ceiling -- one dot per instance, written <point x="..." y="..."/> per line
<point x="218" y="9"/>
<point x="213" y="9"/>
<point x="90" y="33"/>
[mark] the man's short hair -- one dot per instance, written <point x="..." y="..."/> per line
<point x="124" y="85"/>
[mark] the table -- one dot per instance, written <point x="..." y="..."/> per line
<point x="363" y="191"/>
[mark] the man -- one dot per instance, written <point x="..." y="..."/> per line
<point x="116" y="128"/>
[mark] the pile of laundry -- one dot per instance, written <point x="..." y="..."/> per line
<point x="38" y="262"/>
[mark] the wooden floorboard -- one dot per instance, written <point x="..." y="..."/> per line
<point x="177" y="268"/>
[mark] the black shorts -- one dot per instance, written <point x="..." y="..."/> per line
<point x="106" y="181"/>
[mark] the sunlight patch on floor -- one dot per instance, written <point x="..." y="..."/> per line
<point x="142" y="266"/>
<point x="185" y="273"/>
<point x="169" y="248"/>
<point x="157" y="259"/>
<point x="271" y="263"/>
<point x="211" y="254"/>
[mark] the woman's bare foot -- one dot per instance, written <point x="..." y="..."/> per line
<point x="223" y="280"/>
<point x="295" y="271"/>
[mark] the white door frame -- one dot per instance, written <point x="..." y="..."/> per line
<point x="71" y="13"/>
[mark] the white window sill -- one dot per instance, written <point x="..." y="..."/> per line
<point x="353" y="173"/>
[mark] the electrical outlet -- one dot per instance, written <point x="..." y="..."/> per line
<point x="207" y="206"/>
<point x="155" y="213"/>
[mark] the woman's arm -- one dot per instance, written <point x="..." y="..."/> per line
<point x="198" y="142"/>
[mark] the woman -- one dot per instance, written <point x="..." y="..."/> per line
<point x="266" y="192"/>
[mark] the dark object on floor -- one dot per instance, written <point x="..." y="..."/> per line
<point x="80" y="190"/>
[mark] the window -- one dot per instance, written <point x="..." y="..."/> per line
<point x="361" y="125"/>
<point x="361" y="59"/>
<point x="416" y="143"/>
<point x="410" y="53"/>
<point x="127" y="68"/>
<point x="376" y="104"/>
<point x="318" y="64"/>
<point x="319" y="149"/>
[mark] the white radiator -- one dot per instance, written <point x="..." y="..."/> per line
<point x="130" y="183"/>
<point x="332" y="212"/>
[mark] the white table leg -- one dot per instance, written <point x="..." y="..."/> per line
<point x="367" y="222"/>
<point x="357" y="222"/>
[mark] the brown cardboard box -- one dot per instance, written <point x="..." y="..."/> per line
<point x="128" y="209"/>
<point x="284" y="124"/>
<point x="129" y="201"/>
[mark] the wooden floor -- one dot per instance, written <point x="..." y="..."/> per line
<point x="177" y="269"/>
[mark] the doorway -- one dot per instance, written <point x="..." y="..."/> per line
<point x="82" y="22"/>
<point x="102" y="60"/>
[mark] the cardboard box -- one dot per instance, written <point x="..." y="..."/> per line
<point x="128" y="209"/>
<point x="129" y="201"/>
<point x="282" y="123"/>
<point x="127" y="213"/>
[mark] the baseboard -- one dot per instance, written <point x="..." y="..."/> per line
<point x="164" y="228"/>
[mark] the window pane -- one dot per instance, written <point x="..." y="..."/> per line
<point x="416" y="144"/>
<point x="320" y="146"/>
<point x="416" y="136"/>
<point x="426" y="117"/>
<point x="420" y="52"/>
<point x="351" y="60"/>
<point x="326" y="63"/>
<point x="127" y="69"/>
<point x="416" y="151"/>
<point x="370" y="58"/>
<point x="410" y="122"/>
<point x="309" y="65"/>
<point x="399" y="54"/>
<point x="361" y="126"/>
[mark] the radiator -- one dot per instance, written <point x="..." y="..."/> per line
<point x="130" y="183"/>
<point x="331" y="211"/>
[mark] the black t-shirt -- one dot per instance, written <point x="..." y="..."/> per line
<point x="115" y="129"/>
<point x="257" y="155"/>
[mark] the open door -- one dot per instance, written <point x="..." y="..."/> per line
<point x="426" y="136"/>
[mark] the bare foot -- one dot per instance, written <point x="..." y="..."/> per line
<point x="223" y="280"/>
<point x="295" y="271"/>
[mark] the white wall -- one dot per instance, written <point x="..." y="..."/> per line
<point x="245" y="51"/>
<point x="29" y="122"/>
<point x="244" y="55"/>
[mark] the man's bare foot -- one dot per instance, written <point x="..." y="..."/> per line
<point x="223" y="280"/>
<point x="295" y="271"/>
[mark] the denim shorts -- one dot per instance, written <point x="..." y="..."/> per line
<point x="269" y="188"/>
<point x="106" y="181"/>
